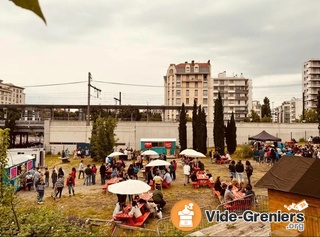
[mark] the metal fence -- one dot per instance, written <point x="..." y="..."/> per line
<point x="258" y="203"/>
<point x="165" y="227"/>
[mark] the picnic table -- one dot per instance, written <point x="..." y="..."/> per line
<point x="129" y="219"/>
<point x="110" y="182"/>
<point x="202" y="180"/>
<point x="146" y="196"/>
<point x="223" y="160"/>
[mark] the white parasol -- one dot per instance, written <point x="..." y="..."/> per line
<point x="158" y="163"/>
<point x="192" y="153"/>
<point x="129" y="187"/>
<point x="149" y="153"/>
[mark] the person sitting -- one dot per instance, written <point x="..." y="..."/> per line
<point x="157" y="179"/>
<point x="250" y="192"/>
<point x="208" y="174"/>
<point x="167" y="177"/>
<point x="217" y="156"/>
<point x="235" y="183"/>
<point x="118" y="209"/>
<point x="135" y="211"/>
<point x="242" y="187"/>
<point x="228" y="195"/>
<point x="193" y="176"/>
<point x="217" y="185"/>
<point x="158" y="197"/>
<point x="150" y="206"/>
<point x="222" y="192"/>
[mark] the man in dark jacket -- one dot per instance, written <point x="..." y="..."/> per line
<point x="88" y="173"/>
<point x="239" y="171"/>
<point x="103" y="170"/>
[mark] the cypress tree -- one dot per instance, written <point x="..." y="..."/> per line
<point x="183" y="128"/>
<point x="218" y="125"/>
<point x="231" y="135"/>
<point x="194" y="125"/>
<point x="203" y="144"/>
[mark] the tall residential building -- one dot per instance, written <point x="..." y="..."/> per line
<point x="186" y="82"/>
<point x="236" y="94"/>
<point x="284" y="112"/>
<point x="311" y="83"/>
<point x="295" y="109"/>
<point x="11" y="94"/>
<point x="256" y="106"/>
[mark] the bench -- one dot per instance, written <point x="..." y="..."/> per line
<point x="195" y="184"/>
<point x="238" y="205"/>
<point x="64" y="159"/>
<point x="210" y="183"/>
<point x="165" y="184"/>
<point x="145" y="217"/>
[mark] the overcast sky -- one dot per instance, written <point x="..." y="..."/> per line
<point x="133" y="42"/>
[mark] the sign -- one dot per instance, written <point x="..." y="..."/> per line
<point x="147" y="145"/>
<point x="13" y="172"/>
<point x="168" y="144"/>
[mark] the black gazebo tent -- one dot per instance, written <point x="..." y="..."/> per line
<point x="264" y="136"/>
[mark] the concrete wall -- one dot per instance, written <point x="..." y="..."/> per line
<point x="130" y="133"/>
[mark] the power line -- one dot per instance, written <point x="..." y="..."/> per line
<point x="56" y="84"/>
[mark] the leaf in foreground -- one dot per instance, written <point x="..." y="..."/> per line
<point x="32" y="5"/>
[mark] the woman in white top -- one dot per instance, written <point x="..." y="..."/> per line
<point x="135" y="211"/>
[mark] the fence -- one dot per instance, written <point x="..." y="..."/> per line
<point x="164" y="226"/>
<point x="258" y="203"/>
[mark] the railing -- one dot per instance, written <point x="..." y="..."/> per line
<point x="165" y="227"/>
<point x="258" y="203"/>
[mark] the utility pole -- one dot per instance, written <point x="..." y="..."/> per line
<point x="118" y="99"/>
<point x="89" y="95"/>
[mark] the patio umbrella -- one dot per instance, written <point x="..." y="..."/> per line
<point x="116" y="153"/>
<point x="187" y="151"/>
<point x="158" y="163"/>
<point x="129" y="187"/>
<point x="149" y="153"/>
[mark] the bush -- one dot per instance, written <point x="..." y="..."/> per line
<point x="242" y="152"/>
<point x="302" y="139"/>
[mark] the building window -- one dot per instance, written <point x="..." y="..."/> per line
<point x="205" y="101"/>
<point x="196" y="85"/>
<point x="178" y="93"/>
<point x="205" y="84"/>
<point x="187" y="101"/>
<point x="196" y="68"/>
<point x="205" y="92"/>
<point x="187" y="69"/>
<point x="178" y="101"/>
<point x="205" y="78"/>
<point x="187" y="92"/>
<point x="196" y="100"/>
<point x="178" y="84"/>
<point x="178" y="77"/>
<point x="187" y="84"/>
<point x="196" y="92"/>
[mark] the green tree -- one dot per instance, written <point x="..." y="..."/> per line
<point x="266" y="119"/>
<point x="183" y="128"/>
<point x="12" y="114"/>
<point x="102" y="139"/>
<point x="310" y="116"/>
<point x="194" y="125"/>
<point x="254" y="117"/>
<point x="265" y="108"/>
<point x="202" y="131"/>
<point x="231" y="135"/>
<point x="218" y="125"/>
<point x="318" y="110"/>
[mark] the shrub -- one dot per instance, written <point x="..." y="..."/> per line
<point x="242" y="152"/>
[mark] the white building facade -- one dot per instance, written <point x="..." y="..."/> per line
<point x="236" y="95"/>
<point x="11" y="94"/>
<point x="186" y="82"/>
<point x="310" y="83"/>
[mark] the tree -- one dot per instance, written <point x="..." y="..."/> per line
<point x="218" y="125"/>
<point x="318" y="110"/>
<point x="10" y="122"/>
<point x="201" y="131"/>
<point x="231" y="135"/>
<point x="183" y="128"/>
<point x="266" y="119"/>
<point x="265" y="108"/>
<point x="310" y="116"/>
<point x="102" y="139"/>
<point x="254" y="117"/>
<point x="194" y="125"/>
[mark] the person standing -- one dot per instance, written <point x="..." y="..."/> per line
<point x="88" y="173"/>
<point x="249" y="171"/>
<point x="232" y="170"/>
<point x="36" y="178"/>
<point x="54" y="178"/>
<point x="175" y="164"/>
<point x="81" y="169"/>
<point x="67" y="153"/>
<point x="103" y="170"/>
<point x="93" y="174"/>
<point x="29" y="180"/>
<point x="70" y="183"/>
<point x="40" y="189"/>
<point x="158" y="197"/>
<point x="186" y="172"/>
<point x="261" y="155"/>
<point x="47" y="175"/>
<point x="171" y="168"/>
<point x="59" y="187"/>
<point x="74" y="172"/>
<point x="210" y="156"/>
<point x="239" y="171"/>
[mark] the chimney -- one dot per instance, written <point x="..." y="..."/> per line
<point x="192" y="62"/>
<point x="209" y="61"/>
<point x="186" y="62"/>
<point x="241" y="75"/>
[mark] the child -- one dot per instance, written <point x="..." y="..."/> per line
<point x="40" y="189"/>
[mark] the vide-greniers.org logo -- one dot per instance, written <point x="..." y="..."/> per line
<point x="296" y="220"/>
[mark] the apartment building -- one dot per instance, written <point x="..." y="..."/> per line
<point x="256" y="106"/>
<point x="186" y="82"/>
<point x="236" y="94"/>
<point x="310" y="83"/>
<point x="11" y="94"/>
<point x="290" y="111"/>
